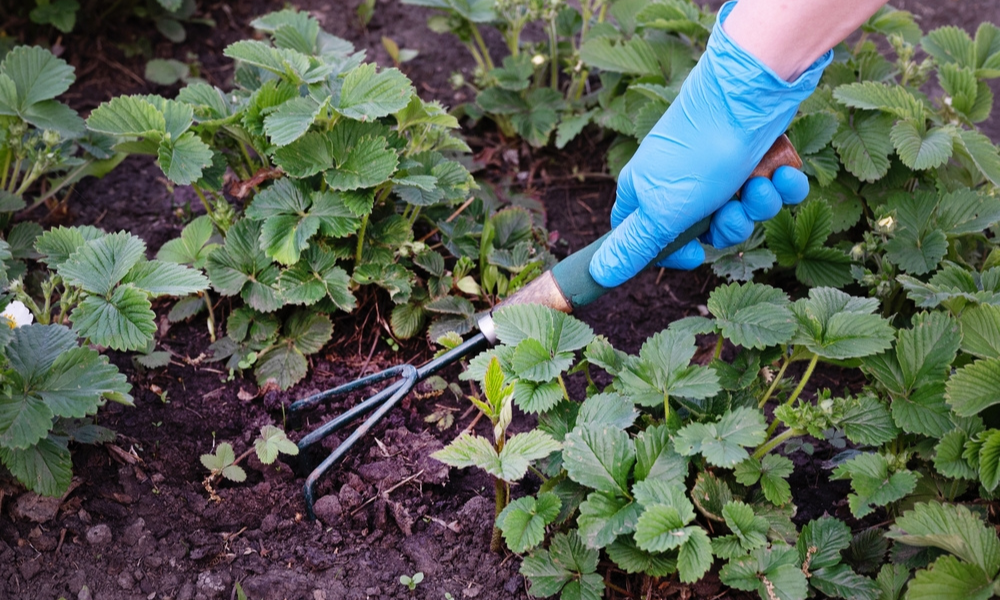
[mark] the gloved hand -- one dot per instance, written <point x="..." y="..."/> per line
<point x="729" y="111"/>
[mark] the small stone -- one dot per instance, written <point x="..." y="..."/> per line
<point x="99" y="535"/>
<point x="187" y="592"/>
<point x="30" y="568"/>
<point x="77" y="581"/>
<point x="373" y="591"/>
<point x="211" y="584"/>
<point x="270" y="523"/>
<point x="514" y="584"/>
<point x="125" y="580"/>
<point x="85" y="594"/>
<point x="32" y="507"/>
<point x="349" y="497"/>
<point x="472" y="591"/>
<point x="134" y="532"/>
<point x="328" y="509"/>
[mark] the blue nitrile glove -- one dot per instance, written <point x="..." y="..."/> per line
<point x="729" y="111"/>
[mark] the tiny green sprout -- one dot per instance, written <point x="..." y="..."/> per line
<point x="393" y="344"/>
<point x="411" y="582"/>
<point x="224" y="463"/>
<point x="448" y="596"/>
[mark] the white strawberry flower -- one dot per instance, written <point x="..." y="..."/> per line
<point x="17" y="314"/>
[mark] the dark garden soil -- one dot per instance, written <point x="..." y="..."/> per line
<point x="138" y="523"/>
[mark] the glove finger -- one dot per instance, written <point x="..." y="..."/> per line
<point x="730" y="225"/>
<point x="626" y="200"/>
<point x="760" y="200"/>
<point x="630" y="247"/>
<point x="791" y="183"/>
<point x="689" y="257"/>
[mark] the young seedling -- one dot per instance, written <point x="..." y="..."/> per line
<point x="224" y="463"/>
<point x="411" y="582"/>
<point x="506" y="460"/>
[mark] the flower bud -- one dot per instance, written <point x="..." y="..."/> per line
<point x="886" y="224"/>
<point x="50" y="137"/>
<point x="858" y="252"/>
<point x="538" y="60"/>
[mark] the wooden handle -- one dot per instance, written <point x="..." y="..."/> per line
<point x="569" y="284"/>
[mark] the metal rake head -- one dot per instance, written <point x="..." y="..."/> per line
<point x="406" y="378"/>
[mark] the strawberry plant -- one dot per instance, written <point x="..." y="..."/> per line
<point x="340" y="165"/>
<point x="617" y="476"/>
<point x="223" y="463"/>
<point x="549" y="87"/>
<point x="50" y="387"/>
<point x="44" y="147"/>
<point x="100" y="283"/>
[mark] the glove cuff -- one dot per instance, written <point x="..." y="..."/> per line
<point x="756" y="95"/>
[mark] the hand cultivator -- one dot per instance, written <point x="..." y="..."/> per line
<point x="567" y="286"/>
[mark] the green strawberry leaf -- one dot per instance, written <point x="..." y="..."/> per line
<point x="952" y="528"/>
<point x="128" y="116"/>
<point x="367" y="95"/>
<point x="192" y="247"/>
<point x="752" y="315"/>
<point x="599" y="457"/>
<point x="864" y="145"/>
<point x="838" y="326"/>
<point x="947" y="578"/>
<point x="750" y="529"/>
<point x="37" y="74"/>
<point x="567" y="566"/>
<point x="971" y="389"/>
<point x="872" y="484"/>
<point x="656" y="458"/>
<point x="158" y="278"/>
<point x="631" y="559"/>
<point x="722" y="443"/>
<point x="45" y="468"/>
<point x="122" y="321"/>
<point x="662" y="370"/>
<point x="271" y="442"/>
<point x="604" y="516"/>
<point x="99" y="265"/>
<point x="523" y="521"/>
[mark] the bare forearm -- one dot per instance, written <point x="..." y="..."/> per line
<point x="789" y="35"/>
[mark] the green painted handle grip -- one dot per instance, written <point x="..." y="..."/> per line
<point x="572" y="274"/>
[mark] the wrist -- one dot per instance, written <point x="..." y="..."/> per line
<point x="755" y="94"/>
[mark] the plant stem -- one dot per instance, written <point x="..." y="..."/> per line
<point x="500" y="494"/>
<point x="5" y="170"/>
<point x="805" y="379"/>
<point x="482" y="46"/>
<point x="204" y="200"/>
<point x="666" y="407"/>
<point x="246" y="156"/>
<point x="553" y="56"/>
<point x="211" y="317"/>
<point x="798" y="390"/>
<point x="562" y="385"/>
<point x="717" y="354"/>
<point x="361" y="239"/>
<point x="71" y="178"/>
<point x="14" y="174"/>
<point x="774" y="384"/>
<point x="776" y="441"/>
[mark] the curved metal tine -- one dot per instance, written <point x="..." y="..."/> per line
<point x="406" y="383"/>
<point x="350" y="386"/>
<point x="357" y="410"/>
